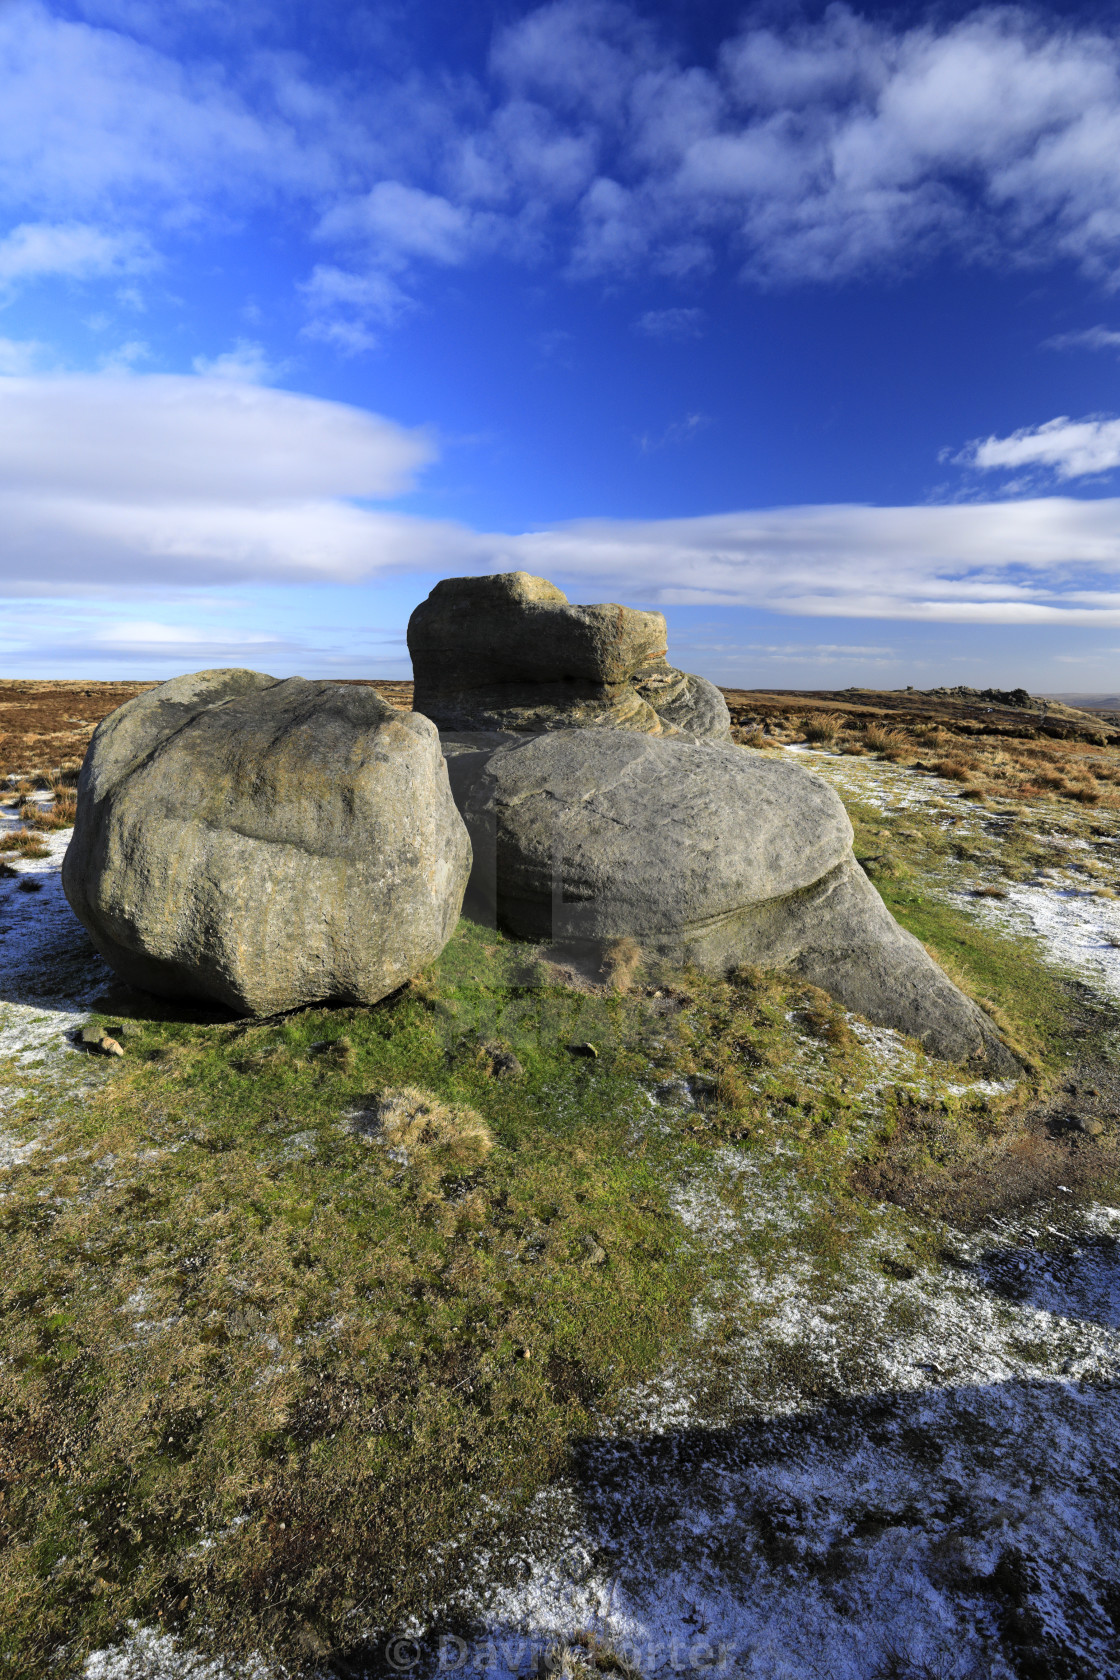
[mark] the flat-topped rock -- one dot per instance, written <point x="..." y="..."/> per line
<point x="265" y="844"/>
<point x="509" y="652"/>
<point x="704" y="853"/>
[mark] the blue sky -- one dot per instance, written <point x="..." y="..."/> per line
<point x="800" y="323"/>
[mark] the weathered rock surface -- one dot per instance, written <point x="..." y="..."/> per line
<point x="265" y="843"/>
<point x="703" y="853"/>
<point x="509" y="652"/>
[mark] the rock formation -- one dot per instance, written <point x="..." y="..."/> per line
<point x="266" y="844"/>
<point x="705" y="853"/>
<point x="509" y="653"/>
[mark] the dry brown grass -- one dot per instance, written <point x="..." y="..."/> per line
<point x="881" y="739"/>
<point x="45" y="726"/>
<point x="822" y="726"/>
<point x="59" y="814"/>
<point x="427" y="1132"/>
<point x="24" y="842"/>
<point x="621" y="961"/>
<point x="954" y="769"/>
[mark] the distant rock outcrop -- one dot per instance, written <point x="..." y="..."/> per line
<point x="509" y="653"/>
<point x="1017" y="697"/>
<point x="266" y="844"/>
<point x="706" y="853"/>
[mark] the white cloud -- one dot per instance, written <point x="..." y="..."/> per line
<point x="1069" y="448"/>
<point x="91" y="118"/>
<point x="125" y="357"/>
<point x="132" y="633"/>
<point x="351" y="310"/>
<point x="677" y="432"/>
<point x="21" y="355"/>
<point x="1092" y="338"/>
<point x="823" y="149"/>
<point x="800" y="150"/>
<point x="140" y="483"/>
<point x="670" y="323"/>
<point x="172" y="438"/>
<point x="180" y="645"/>
<point x="145" y="483"/>
<point x="400" y="221"/>
<point x="114" y="478"/>
<point x="246" y="364"/>
<point x="36" y="250"/>
<point x="1044" y="561"/>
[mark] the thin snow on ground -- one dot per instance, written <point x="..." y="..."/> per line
<point x="951" y="1506"/>
<point x="958" y="1533"/>
<point x="949" y="1510"/>
<point x="1074" y="927"/>
<point x="893" y="1469"/>
<point x="49" y="972"/>
<point x="147" y="1655"/>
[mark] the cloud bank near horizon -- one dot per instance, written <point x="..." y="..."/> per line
<point x="141" y="484"/>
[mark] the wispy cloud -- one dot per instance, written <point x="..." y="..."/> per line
<point x="1067" y="448"/>
<point x="670" y="323"/>
<point x="247" y="364"/>
<point x="824" y="653"/>
<point x="22" y="355"/>
<point x="351" y="310"/>
<point x="677" y="432"/>
<point x="39" y="250"/>
<point x="1091" y="338"/>
<point x="798" y="151"/>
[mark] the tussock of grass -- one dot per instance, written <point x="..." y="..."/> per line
<point x="25" y="844"/>
<point x="822" y="726"/>
<point x="421" y="1130"/>
<point x="881" y="739"/>
<point x="621" y="962"/>
<point x="60" y="814"/>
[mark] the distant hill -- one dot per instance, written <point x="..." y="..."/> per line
<point x="1088" y="702"/>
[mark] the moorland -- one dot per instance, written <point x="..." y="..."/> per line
<point x="705" y="1326"/>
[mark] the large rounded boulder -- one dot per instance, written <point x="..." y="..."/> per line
<point x="704" y="853"/>
<point x="265" y="844"/>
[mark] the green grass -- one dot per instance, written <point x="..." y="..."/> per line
<point x="259" y="1374"/>
<point x="1028" y="999"/>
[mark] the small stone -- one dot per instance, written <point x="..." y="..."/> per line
<point x="91" y="1035"/>
<point x="593" y="1252"/>
<point x="497" y="1060"/>
<point x="110" y="1046"/>
<point x="505" y="1065"/>
<point x="587" y="1050"/>
<point x="1090" y="1127"/>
